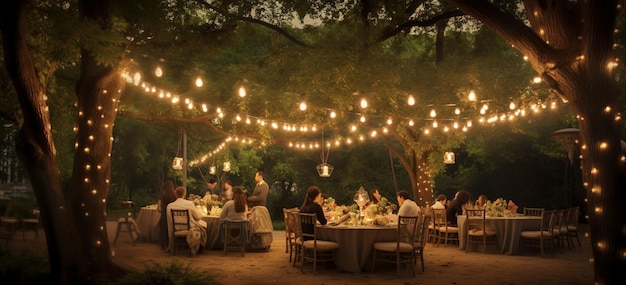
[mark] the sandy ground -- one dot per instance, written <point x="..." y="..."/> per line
<point x="443" y="265"/>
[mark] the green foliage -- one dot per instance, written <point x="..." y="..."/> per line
<point x="173" y="272"/>
<point x="23" y="268"/>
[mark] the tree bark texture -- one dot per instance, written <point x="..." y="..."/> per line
<point x="570" y="43"/>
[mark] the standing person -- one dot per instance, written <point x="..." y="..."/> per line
<point x="259" y="195"/>
<point x="313" y="205"/>
<point x="166" y="197"/>
<point x="461" y="200"/>
<point x="408" y="208"/>
<point x="235" y="209"/>
<point x="227" y="194"/>
<point x="441" y="202"/>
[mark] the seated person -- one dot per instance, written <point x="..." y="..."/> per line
<point x="227" y="194"/>
<point x="408" y="208"/>
<point x="461" y="201"/>
<point x="313" y="205"/>
<point x="481" y="202"/>
<point x="441" y="202"/>
<point x="374" y="197"/>
<point x="195" y="219"/>
<point x="237" y="208"/>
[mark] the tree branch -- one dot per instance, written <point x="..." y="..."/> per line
<point x="419" y="23"/>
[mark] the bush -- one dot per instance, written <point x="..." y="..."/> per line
<point x="174" y="272"/>
<point x="23" y="268"/>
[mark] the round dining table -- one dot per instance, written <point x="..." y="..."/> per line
<point x="355" y="243"/>
<point x="507" y="229"/>
<point x="148" y="223"/>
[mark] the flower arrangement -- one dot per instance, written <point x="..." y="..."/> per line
<point x="498" y="208"/>
<point x="383" y="207"/>
<point x="329" y="204"/>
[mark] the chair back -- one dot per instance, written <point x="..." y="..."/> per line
<point x="407" y="227"/>
<point x="547" y="224"/>
<point x="537" y="212"/>
<point x="422" y="229"/>
<point x="475" y="220"/>
<point x="180" y="219"/>
<point x="289" y="220"/>
<point x="439" y="218"/>
<point x="573" y="217"/>
<point x="307" y="222"/>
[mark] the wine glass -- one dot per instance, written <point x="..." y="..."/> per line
<point x="361" y="198"/>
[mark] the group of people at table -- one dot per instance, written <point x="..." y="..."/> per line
<point x="236" y="205"/>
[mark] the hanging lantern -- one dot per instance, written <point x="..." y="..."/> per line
<point x="212" y="170"/>
<point x="226" y="166"/>
<point x="448" y="158"/>
<point x="177" y="164"/>
<point x="324" y="170"/>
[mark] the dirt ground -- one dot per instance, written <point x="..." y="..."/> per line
<point x="443" y="265"/>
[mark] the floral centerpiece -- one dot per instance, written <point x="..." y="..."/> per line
<point x="207" y="205"/>
<point x="498" y="208"/>
<point x="378" y="213"/>
<point x="329" y="204"/>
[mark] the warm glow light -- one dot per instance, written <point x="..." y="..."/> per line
<point x="303" y="106"/>
<point x="158" y="71"/>
<point x="457" y="111"/>
<point x="199" y="82"/>
<point x="411" y="100"/>
<point x="362" y="119"/>
<point x="364" y="103"/>
<point x="512" y="106"/>
<point x="537" y="79"/>
<point x="333" y="115"/>
<point x="242" y="92"/>
<point x="603" y="145"/>
<point x="411" y="123"/>
<point x="472" y="96"/>
<point x="433" y="113"/>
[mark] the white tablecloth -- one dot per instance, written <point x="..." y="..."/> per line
<point x="507" y="229"/>
<point x="212" y="232"/>
<point x="355" y="244"/>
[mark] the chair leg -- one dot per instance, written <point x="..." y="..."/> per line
<point x="129" y="228"/>
<point x="117" y="233"/>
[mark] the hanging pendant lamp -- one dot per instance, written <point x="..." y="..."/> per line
<point x="324" y="169"/>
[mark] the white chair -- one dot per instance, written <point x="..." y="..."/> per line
<point x="477" y="231"/>
<point x="314" y="250"/>
<point x="401" y="250"/>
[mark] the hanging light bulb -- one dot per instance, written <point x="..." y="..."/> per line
<point x="226" y="166"/>
<point x="472" y="96"/>
<point x="199" y="82"/>
<point x="158" y="71"/>
<point x="363" y="103"/>
<point x="333" y="114"/>
<point x="212" y="170"/>
<point x="411" y="100"/>
<point x="303" y="106"/>
<point x="433" y="113"/>
<point x="242" y="92"/>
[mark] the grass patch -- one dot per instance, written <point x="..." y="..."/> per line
<point x="173" y="272"/>
<point x="23" y="268"/>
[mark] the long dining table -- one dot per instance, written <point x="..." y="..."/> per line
<point x="355" y="243"/>
<point x="507" y="229"/>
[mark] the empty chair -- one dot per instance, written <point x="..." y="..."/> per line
<point x="8" y="224"/>
<point x="541" y="237"/>
<point x="297" y="230"/>
<point x="445" y="232"/>
<point x="421" y="235"/>
<point x="477" y="231"/>
<point x="572" y="225"/>
<point x="315" y="250"/>
<point x="127" y="224"/>
<point x="401" y="250"/>
<point x="31" y="224"/>
<point x="290" y="234"/>
<point x="537" y="212"/>
<point x="180" y="227"/>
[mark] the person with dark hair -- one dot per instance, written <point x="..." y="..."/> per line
<point x="408" y="208"/>
<point x="259" y="195"/>
<point x="461" y="200"/>
<point x="211" y="189"/>
<point x="227" y="194"/>
<point x="481" y="202"/>
<point x="237" y="208"/>
<point x="441" y="202"/>
<point x="374" y="196"/>
<point x="166" y="197"/>
<point x="313" y="205"/>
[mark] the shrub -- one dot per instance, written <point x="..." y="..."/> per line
<point x="174" y="272"/>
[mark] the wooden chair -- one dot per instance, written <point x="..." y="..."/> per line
<point x="432" y="230"/>
<point x="9" y="224"/>
<point x="127" y="224"/>
<point x="315" y="250"/>
<point x="421" y="236"/>
<point x="559" y="229"/>
<point x="401" y="250"/>
<point x="180" y="226"/>
<point x="572" y="225"/>
<point x="477" y="231"/>
<point x="297" y="229"/>
<point x="537" y="212"/>
<point x="235" y="235"/>
<point x="542" y="236"/>
<point x="31" y="224"/>
<point x="445" y="232"/>
<point x="290" y="234"/>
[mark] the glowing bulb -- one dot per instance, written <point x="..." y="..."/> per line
<point x="411" y="123"/>
<point x="537" y="79"/>
<point x="199" y="82"/>
<point x="303" y="106"/>
<point x="158" y="71"/>
<point x="457" y="111"/>
<point x="333" y="115"/>
<point x="411" y="100"/>
<point x="433" y="113"/>
<point x="364" y="103"/>
<point x="362" y="119"/>
<point x="242" y="92"/>
<point x="472" y="96"/>
<point x="512" y="106"/>
<point x="389" y="121"/>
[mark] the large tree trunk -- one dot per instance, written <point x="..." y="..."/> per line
<point x="570" y="44"/>
<point x="416" y="165"/>
<point x="36" y="149"/>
